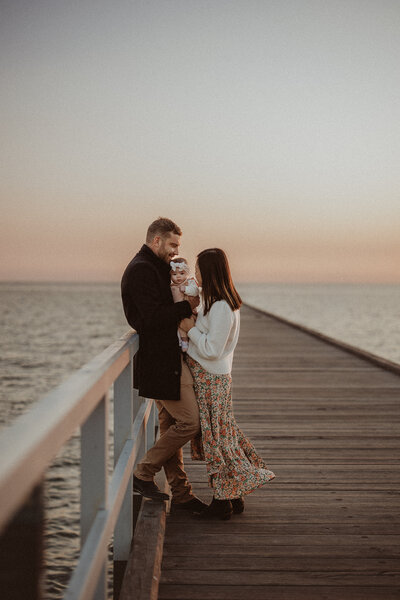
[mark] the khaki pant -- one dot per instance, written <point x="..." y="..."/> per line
<point x="179" y="423"/>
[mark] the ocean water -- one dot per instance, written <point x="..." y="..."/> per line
<point x="47" y="331"/>
<point x="363" y="315"/>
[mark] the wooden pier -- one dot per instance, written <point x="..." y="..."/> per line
<point x="328" y="527"/>
<point x="324" y="416"/>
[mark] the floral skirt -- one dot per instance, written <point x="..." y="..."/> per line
<point x="233" y="465"/>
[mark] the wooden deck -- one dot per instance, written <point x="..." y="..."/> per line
<point x="328" y="527"/>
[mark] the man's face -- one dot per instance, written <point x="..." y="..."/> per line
<point x="168" y="247"/>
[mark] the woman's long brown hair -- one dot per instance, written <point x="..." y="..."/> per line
<point x="216" y="278"/>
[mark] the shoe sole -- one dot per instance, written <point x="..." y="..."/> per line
<point x="157" y="498"/>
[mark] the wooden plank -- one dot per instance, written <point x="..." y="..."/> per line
<point x="261" y="522"/>
<point x="142" y="574"/>
<point x="278" y="592"/>
<point x="262" y="563"/>
<point x="240" y="392"/>
<point x="328" y="520"/>
<point x="388" y="442"/>
<point x="331" y="552"/>
<point x="283" y="498"/>
<point x="267" y="578"/>
<point x="290" y="534"/>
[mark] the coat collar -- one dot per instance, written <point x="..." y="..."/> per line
<point x="161" y="265"/>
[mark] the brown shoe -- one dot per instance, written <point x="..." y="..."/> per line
<point x="237" y="505"/>
<point x="148" y="489"/>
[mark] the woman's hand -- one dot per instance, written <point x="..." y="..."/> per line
<point x="188" y="323"/>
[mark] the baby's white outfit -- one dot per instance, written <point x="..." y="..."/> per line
<point x="189" y="289"/>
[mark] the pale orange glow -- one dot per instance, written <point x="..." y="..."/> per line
<point x="270" y="132"/>
<point x="96" y="250"/>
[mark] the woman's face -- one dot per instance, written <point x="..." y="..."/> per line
<point x="197" y="274"/>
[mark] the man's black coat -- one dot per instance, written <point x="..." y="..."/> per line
<point x="150" y="309"/>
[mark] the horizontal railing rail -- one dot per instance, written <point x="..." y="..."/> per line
<point x="28" y="447"/>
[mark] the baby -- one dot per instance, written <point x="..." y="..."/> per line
<point x="182" y="286"/>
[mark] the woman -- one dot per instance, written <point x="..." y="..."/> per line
<point x="233" y="466"/>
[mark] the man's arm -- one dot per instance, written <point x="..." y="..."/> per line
<point x="144" y="291"/>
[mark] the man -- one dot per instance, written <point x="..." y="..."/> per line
<point x="160" y="371"/>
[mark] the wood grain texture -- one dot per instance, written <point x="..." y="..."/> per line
<point x="328" y="527"/>
<point x="142" y="573"/>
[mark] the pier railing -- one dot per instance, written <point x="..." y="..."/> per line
<point x="29" y="446"/>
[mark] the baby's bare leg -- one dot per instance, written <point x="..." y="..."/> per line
<point x="184" y="339"/>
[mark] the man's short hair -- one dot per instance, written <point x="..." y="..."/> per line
<point x="162" y="227"/>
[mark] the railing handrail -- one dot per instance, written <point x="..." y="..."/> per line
<point x="28" y="446"/>
<point x="94" y="551"/>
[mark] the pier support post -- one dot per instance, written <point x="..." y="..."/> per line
<point x="21" y="551"/>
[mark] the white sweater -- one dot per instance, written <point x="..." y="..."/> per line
<point x="214" y="337"/>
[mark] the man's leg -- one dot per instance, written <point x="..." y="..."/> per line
<point x="174" y="467"/>
<point x="179" y="423"/>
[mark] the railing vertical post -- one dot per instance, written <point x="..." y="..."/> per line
<point x="94" y="485"/>
<point x="123" y="418"/>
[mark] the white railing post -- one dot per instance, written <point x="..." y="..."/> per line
<point x="143" y="444"/>
<point x="123" y="419"/>
<point x="94" y="484"/>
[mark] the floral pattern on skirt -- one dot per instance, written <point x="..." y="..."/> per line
<point x="233" y="465"/>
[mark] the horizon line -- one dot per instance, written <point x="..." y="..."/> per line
<point x="273" y="282"/>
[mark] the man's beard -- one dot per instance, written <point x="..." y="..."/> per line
<point x="165" y="255"/>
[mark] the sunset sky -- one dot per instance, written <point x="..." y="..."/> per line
<point x="269" y="128"/>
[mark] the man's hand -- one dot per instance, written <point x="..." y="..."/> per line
<point x="187" y="324"/>
<point x="194" y="301"/>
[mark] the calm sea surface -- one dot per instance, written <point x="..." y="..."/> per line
<point x="49" y="330"/>
<point x="363" y="315"/>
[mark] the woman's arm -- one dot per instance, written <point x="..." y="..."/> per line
<point x="211" y="345"/>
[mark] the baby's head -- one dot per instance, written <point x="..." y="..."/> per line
<point x="179" y="270"/>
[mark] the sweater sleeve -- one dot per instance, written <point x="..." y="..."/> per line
<point x="211" y="345"/>
<point x="154" y="315"/>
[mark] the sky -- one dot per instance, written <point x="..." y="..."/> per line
<point x="268" y="128"/>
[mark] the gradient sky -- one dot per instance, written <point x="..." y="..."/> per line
<point x="268" y="128"/>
